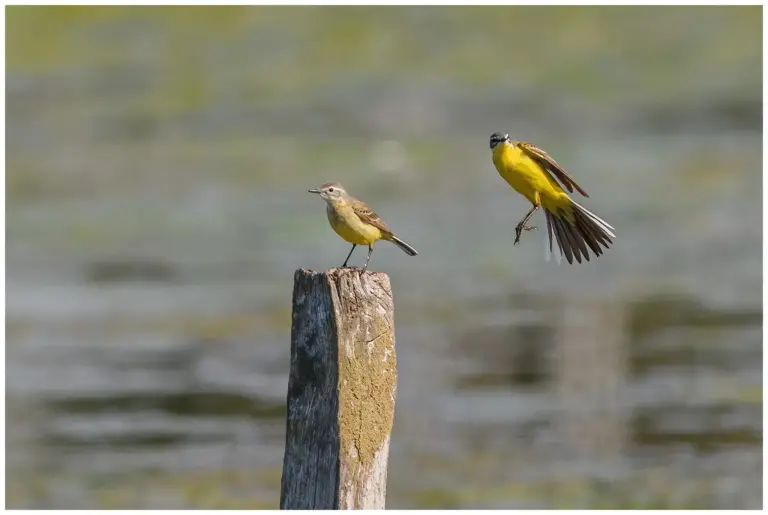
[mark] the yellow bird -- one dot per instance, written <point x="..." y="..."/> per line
<point x="533" y="173"/>
<point x="355" y="222"/>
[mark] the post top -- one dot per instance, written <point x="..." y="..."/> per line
<point x="337" y="273"/>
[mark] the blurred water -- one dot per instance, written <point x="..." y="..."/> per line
<point x="158" y="162"/>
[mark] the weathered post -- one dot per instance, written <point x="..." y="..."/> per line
<point x="341" y="391"/>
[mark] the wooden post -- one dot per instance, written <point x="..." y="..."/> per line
<point x="341" y="391"/>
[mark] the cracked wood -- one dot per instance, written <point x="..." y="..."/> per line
<point x="341" y="391"/>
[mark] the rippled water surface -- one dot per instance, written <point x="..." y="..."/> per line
<point x="157" y="168"/>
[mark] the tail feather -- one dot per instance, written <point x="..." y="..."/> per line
<point x="403" y="245"/>
<point x="575" y="239"/>
<point x="562" y="240"/>
<point x="592" y="242"/>
<point x="548" y="251"/>
<point x="597" y="237"/>
<point x="605" y="225"/>
<point x="549" y="228"/>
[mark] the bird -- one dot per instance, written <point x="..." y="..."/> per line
<point x="355" y="222"/>
<point x="535" y="174"/>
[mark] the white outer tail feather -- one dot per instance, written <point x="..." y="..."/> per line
<point x="606" y="227"/>
<point x="548" y="253"/>
<point x="557" y="251"/>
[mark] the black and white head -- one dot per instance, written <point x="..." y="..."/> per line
<point x="498" y="137"/>
<point x="330" y="191"/>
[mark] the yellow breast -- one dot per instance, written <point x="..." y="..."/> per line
<point x="524" y="174"/>
<point x="349" y="226"/>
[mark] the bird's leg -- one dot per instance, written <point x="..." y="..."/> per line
<point x="370" y="251"/>
<point x="349" y="255"/>
<point x="522" y="227"/>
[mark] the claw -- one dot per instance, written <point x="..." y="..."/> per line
<point x="519" y="230"/>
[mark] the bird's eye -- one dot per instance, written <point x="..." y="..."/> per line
<point x="330" y="189"/>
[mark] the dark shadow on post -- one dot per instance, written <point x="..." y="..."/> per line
<point x="341" y="391"/>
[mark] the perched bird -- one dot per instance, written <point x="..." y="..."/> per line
<point x="532" y="172"/>
<point x="356" y="222"/>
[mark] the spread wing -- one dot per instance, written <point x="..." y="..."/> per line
<point x="550" y="165"/>
<point x="368" y="216"/>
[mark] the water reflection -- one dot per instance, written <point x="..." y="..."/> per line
<point x="580" y="383"/>
<point x="699" y="429"/>
<point x="220" y="404"/>
<point x="157" y="173"/>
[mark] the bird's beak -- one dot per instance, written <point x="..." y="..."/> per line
<point x="314" y="191"/>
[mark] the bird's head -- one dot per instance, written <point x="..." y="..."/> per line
<point x="498" y="137"/>
<point x="330" y="191"/>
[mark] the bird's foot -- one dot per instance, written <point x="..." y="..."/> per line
<point x="519" y="230"/>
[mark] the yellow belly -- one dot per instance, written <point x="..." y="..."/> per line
<point x="527" y="177"/>
<point x="347" y="225"/>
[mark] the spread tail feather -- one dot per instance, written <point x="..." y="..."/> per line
<point x="403" y="245"/>
<point x="586" y="232"/>
<point x="548" y="251"/>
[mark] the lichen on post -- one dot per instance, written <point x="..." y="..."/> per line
<point x="341" y="391"/>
